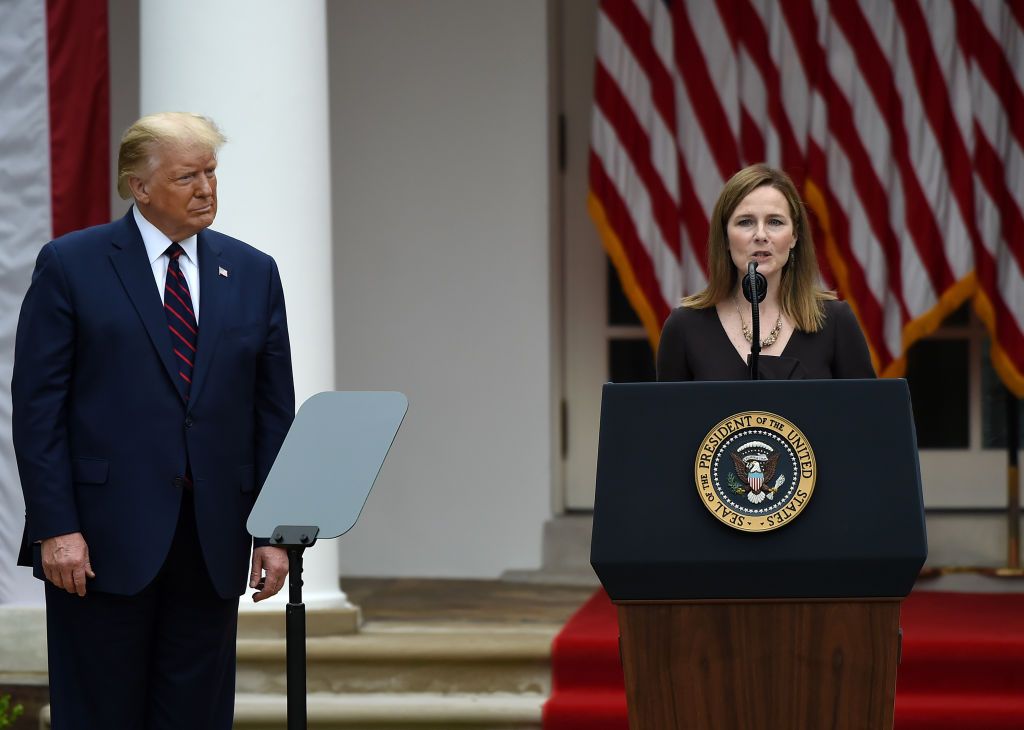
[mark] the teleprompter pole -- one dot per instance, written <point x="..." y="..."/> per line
<point x="295" y="539"/>
<point x="295" y="631"/>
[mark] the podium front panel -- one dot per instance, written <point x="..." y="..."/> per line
<point x="861" y="534"/>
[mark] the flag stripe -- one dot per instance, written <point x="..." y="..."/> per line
<point x="633" y="73"/>
<point x="881" y="249"/>
<point x="987" y="52"/>
<point x="751" y="33"/>
<point x="79" y="113"/>
<point x="637" y="145"/>
<point x="919" y="222"/>
<point x="636" y="33"/>
<point x="1017" y="8"/>
<point x="620" y="218"/>
<point x="901" y="122"/>
<point x="710" y="112"/>
<point x="989" y="166"/>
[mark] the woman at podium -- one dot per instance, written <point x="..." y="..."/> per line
<point x="805" y="331"/>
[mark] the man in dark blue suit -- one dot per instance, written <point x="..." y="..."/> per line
<point x="152" y="390"/>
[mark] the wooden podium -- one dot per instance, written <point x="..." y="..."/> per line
<point x="795" y="627"/>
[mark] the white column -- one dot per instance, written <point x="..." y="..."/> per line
<point x="259" y="69"/>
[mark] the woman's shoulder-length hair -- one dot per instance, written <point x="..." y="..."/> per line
<point x="801" y="294"/>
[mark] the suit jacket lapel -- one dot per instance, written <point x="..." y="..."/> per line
<point x="213" y="291"/>
<point x="136" y="274"/>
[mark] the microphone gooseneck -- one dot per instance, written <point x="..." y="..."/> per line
<point x="755" y="288"/>
<point x="760" y="284"/>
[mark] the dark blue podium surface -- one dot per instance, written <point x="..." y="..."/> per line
<point x="861" y="534"/>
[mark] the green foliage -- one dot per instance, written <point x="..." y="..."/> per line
<point x="736" y="485"/>
<point x="9" y="714"/>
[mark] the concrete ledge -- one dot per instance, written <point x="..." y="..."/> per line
<point x="412" y="642"/>
<point x="566" y="554"/>
<point x="561" y="577"/>
<point x="269" y="623"/>
<point x="23" y="636"/>
<point x="23" y="645"/>
<point x="389" y="712"/>
<point x="497" y="710"/>
<point x="408" y="658"/>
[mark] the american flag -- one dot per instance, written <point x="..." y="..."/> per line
<point x="901" y="122"/>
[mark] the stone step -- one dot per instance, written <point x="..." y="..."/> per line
<point x="259" y="623"/>
<point x="393" y="657"/>
<point x="565" y="554"/>
<point x="396" y="712"/>
<point x="380" y="711"/>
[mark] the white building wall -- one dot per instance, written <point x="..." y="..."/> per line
<point x="439" y="135"/>
<point x="442" y="261"/>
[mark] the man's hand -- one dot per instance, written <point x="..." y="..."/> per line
<point x="66" y="562"/>
<point x="273" y="561"/>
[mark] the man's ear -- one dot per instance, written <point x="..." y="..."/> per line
<point x="139" y="189"/>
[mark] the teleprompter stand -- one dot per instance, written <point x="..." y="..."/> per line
<point x="316" y="489"/>
<point x="295" y="539"/>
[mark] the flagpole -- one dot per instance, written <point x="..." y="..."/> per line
<point x="1012" y="482"/>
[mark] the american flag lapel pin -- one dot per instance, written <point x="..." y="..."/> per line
<point x="222" y="271"/>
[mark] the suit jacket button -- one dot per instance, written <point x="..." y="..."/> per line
<point x="179" y="482"/>
<point x="188" y="421"/>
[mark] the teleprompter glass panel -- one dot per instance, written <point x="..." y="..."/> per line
<point x="630" y="361"/>
<point x="328" y="462"/>
<point x="937" y="372"/>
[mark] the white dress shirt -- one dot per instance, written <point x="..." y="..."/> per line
<point x="156" y="247"/>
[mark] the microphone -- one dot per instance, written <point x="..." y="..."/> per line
<point x="755" y="288"/>
<point x="754" y="282"/>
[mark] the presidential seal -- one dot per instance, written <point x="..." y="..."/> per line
<point x="755" y="471"/>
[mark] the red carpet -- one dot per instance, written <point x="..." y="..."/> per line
<point x="962" y="668"/>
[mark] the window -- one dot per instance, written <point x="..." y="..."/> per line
<point x="630" y="355"/>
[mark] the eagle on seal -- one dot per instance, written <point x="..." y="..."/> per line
<point x="756" y="470"/>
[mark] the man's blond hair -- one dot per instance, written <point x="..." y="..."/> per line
<point x="136" y="157"/>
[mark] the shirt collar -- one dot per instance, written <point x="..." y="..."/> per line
<point x="156" y="242"/>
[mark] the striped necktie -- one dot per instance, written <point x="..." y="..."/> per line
<point x="180" y="318"/>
